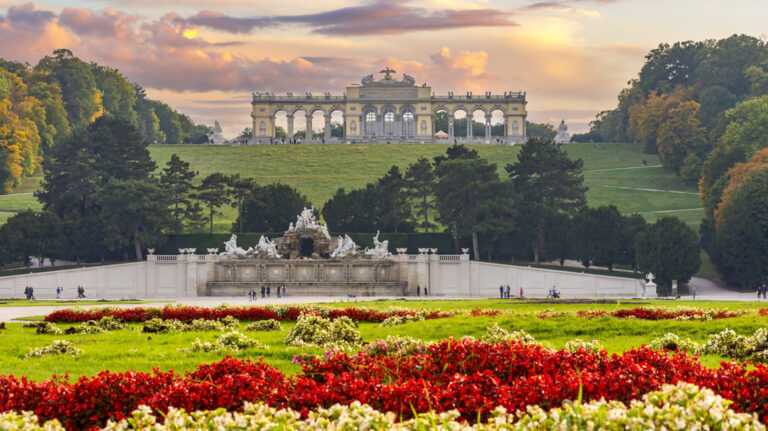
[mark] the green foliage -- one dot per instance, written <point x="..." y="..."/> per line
<point x="213" y="193"/>
<point x="740" y="247"/>
<point x="670" y="250"/>
<point x="543" y="130"/>
<point x="271" y="208"/>
<point x="82" y="99"/>
<point x="176" y="179"/>
<point x="117" y="94"/>
<point x="419" y="181"/>
<point x="168" y="122"/>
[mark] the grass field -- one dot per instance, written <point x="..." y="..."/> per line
<point x="130" y="349"/>
<point x="613" y="173"/>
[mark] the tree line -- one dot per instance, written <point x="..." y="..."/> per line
<point x="40" y="106"/>
<point x="703" y="107"/>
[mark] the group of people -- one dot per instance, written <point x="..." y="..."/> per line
<point x="418" y="291"/>
<point x="762" y="290"/>
<point x="266" y="292"/>
<point x="505" y="292"/>
<point x="29" y="292"/>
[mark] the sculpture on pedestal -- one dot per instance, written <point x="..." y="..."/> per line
<point x="215" y="137"/>
<point x="345" y="247"/>
<point x="380" y="248"/>
<point x="231" y="249"/>
<point x="562" y="134"/>
<point x="267" y="246"/>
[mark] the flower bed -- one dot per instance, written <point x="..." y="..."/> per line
<point x="652" y="313"/>
<point x="246" y="314"/>
<point x="469" y="376"/>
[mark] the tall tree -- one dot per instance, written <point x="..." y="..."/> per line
<point x="466" y="192"/>
<point x="176" y="179"/>
<point x="213" y="193"/>
<point x="133" y="212"/>
<point x="419" y="180"/>
<point x="547" y="182"/>
<point x="272" y="208"/>
<point x="353" y="211"/>
<point x="456" y="152"/>
<point x="602" y="233"/>
<point x="240" y="190"/>
<point x="670" y="250"/>
<point x="21" y="237"/>
<point x="393" y="206"/>
<point x="82" y="99"/>
<point x="680" y="134"/>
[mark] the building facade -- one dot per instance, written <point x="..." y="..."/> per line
<point x="390" y="110"/>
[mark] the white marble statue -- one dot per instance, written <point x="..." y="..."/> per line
<point x="562" y="134"/>
<point x="380" y="248"/>
<point x="216" y="137"/>
<point x="267" y="246"/>
<point x="232" y="250"/>
<point x="306" y="220"/>
<point x="345" y="247"/>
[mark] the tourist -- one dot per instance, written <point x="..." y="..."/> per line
<point x="509" y="291"/>
<point x="283" y="291"/>
<point x="425" y="291"/>
<point x="31" y="293"/>
<point x="26" y="292"/>
<point x="269" y="289"/>
<point x="263" y="290"/>
<point x="58" y="292"/>
<point x="418" y="290"/>
<point x="250" y="295"/>
<point x="501" y="291"/>
<point x="693" y="291"/>
<point x="521" y="292"/>
<point x="278" y="292"/>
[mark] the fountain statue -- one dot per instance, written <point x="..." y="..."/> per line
<point x="267" y="246"/>
<point x="562" y="134"/>
<point x="380" y="248"/>
<point x="232" y="250"/>
<point x="345" y="247"/>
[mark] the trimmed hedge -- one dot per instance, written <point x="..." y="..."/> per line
<point x="442" y="241"/>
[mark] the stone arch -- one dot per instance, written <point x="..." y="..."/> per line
<point x="439" y="108"/>
<point x="458" y="108"/>
<point x="336" y="108"/>
<point x="478" y="108"/>
<point x="407" y="108"/>
<point x="498" y="108"/>
<point x="278" y="109"/>
<point x="316" y="108"/>
<point x="498" y="123"/>
<point x="298" y="108"/>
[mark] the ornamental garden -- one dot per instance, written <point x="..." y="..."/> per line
<point x="480" y="364"/>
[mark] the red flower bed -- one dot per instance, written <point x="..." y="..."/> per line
<point x="470" y="376"/>
<point x="246" y="314"/>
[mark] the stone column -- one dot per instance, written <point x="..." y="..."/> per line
<point x="254" y="130"/>
<point x="450" y="127"/>
<point x="327" y="131"/>
<point x="469" y="126"/>
<point x="487" y="127"/>
<point x="308" y="128"/>
<point x="289" y="117"/>
<point x="272" y="128"/>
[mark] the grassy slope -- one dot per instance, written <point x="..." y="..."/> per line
<point x="130" y="349"/>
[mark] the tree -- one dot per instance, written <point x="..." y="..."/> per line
<point x="169" y="122"/>
<point x="194" y="218"/>
<point x="540" y="130"/>
<point x="680" y="134"/>
<point x="670" y="250"/>
<point x="280" y="132"/>
<point x="392" y="204"/>
<point x="246" y="133"/>
<point x="78" y="86"/>
<point x="6" y="178"/>
<point x="353" y="211"/>
<point x="548" y="182"/>
<point x="456" y="152"/>
<point x="176" y="179"/>
<point x="241" y="189"/>
<point x="601" y="232"/>
<point x="133" y="212"/>
<point x="213" y="193"/>
<point x="117" y="94"/>
<point x="419" y="181"/>
<point x="20" y="237"/>
<point x="272" y="208"/>
<point x="468" y="197"/>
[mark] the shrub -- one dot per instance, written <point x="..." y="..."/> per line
<point x="205" y="325"/>
<point x="311" y="329"/>
<point x="399" y="320"/>
<point x="43" y="327"/>
<point x="58" y="347"/>
<point x="230" y="322"/>
<point x="673" y="343"/>
<point x="497" y="334"/>
<point x="201" y="346"/>
<point x="235" y="340"/>
<point x="161" y="326"/>
<point x="589" y="346"/>
<point x="265" y="325"/>
<point x="726" y="343"/>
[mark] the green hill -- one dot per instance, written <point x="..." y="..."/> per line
<point x="613" y="173"/>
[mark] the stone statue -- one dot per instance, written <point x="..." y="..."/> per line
<point x="380" y="248"/>
<point x="215" y="137"/>
<point x="306" y="220"/>
<point x="232" y="250"/>
<point x="408" y="79"/>
<point x="291" y="228"/>
<point x="267" y="246"/>
<point x="367" y="80"/>
<point x="562" y="134"/>
<point x="345" y="247"/>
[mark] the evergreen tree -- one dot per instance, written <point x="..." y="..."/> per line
<point x="548" y="182"/>
<point x="602" y="232"/>
<point x="78" y="86"/>
<point x="670" y="250"/>
<point x="456" y="152"/>
<point x="393" y="207"/>
<point x="419" y="180"/>
<point x="240" y="190"/>
<point x="213" y="193"/>
<point x="353" y="211"/>
<point x="21" y="237"/>
<point x="272" y="208"/>
<point x="176" y="179"/>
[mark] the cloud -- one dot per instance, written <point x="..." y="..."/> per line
<point x="26" y="16"/>
<point x="379" y="17"/>
<point x="108" y="23"/>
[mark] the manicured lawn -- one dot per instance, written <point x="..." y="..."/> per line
<point x="131" y="349"/>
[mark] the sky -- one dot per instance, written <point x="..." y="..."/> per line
<point x="571" y="57"/>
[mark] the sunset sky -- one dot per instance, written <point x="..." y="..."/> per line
<point x="205" y="58"/>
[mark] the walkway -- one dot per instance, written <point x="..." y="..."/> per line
<point x="621" y="169"/>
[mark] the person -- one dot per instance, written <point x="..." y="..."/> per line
<point x="263" y="290"/>
<point x="418" y="290"/>
<point x="283" y="291"/>
<point x="501" y="291"/>
<point x="765" y="290"/>
<point x="521" y="292"/>
<point x="250" y="295"/>
<point x="278" y="291"/>
<point x="269" y="289"/>
<point x="31" y="293"/>
<point x="425" y="291"/>
<point x="80" y="292"/>
<point x="509" y="291"/>
<point x="58" y="292"/>
<point x="26" y="292"/>
<point x="693" y="291"/>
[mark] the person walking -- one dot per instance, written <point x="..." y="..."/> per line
<point x="693" y="291"/>
<point x="58" y="292"/>
<point x="501" y="291"/>
<point x="521" y="292"/>
<point x="283" y="291"/>
<point x="31" y="293"/>
<point x="269" y="289"/>
<point x="263" y="290"/>
<point x="250" y="295"/>
<point x="418" y="290"/>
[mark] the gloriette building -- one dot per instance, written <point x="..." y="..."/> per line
<point x="391" y="110"/>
